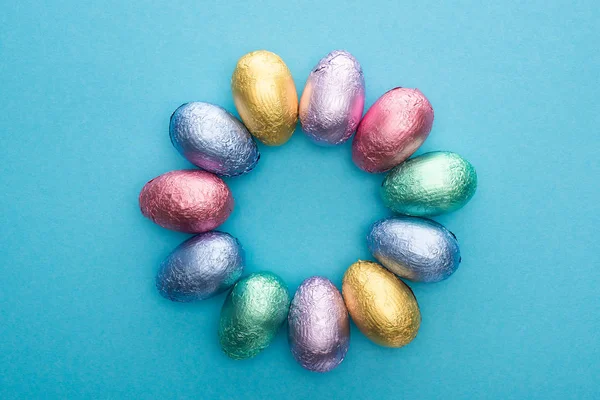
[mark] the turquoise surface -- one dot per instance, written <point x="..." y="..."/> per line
<point x="86" y="91"/>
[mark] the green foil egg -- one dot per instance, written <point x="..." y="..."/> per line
<point x="252" y="314"/>
<point x="430" y="184"/>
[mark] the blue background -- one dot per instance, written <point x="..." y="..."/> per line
<point x="86" y="91"/>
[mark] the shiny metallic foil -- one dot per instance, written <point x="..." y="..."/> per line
<point x="333" y="99"/>
<point x="414" y="248"/>
<point x="392" y="130"/>
<point x="430" y="184"/>
<point x="319" y="327"/>
<point x="212" y="139"/>
<point x="191" y="201"/>
<point x="201" y="267"/>
<point x="381" y="305"/>
<point x="252" y="314"/>
<point x="265" y="97"/>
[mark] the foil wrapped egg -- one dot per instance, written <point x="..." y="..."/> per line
<point x="414" y="248"/>
<point x="213" y="139"/>
<point x="201" y="267"/>
<point x="191" y="201"/>
<point x="430" y="184"/>
<point x="319" y="328"/>
<point x="392" y="130"/>
<point x="265" y="96"/>
<point x="381" y="305"/>
<point x="252" y="314"/>
<point x="333" y="99"/>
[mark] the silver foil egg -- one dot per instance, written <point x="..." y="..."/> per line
<point x="414" y="248"/>
<point x="201" y="267"/>
<point x="333" y="99"/>
<point x="319" y="328"/>
<point x="211" y="138"/>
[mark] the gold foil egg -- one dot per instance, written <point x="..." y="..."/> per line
<point x="382" y="306"/>
<point x="265" y="97"/>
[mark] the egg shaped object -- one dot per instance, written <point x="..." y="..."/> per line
<point x="213" y="139"/>
<point x="430" y="184"/>
<point x="201" y="267"/>
<point x="265" y="96"/>
<point x="319" y="328"/>
<point x="191" y="201"/>
<point x="333" y="99"/>
<point x="392" y="130"/>
<point x="381" y="305"/>
<point x="252" y="314"/>
<point x="414" y="248"/>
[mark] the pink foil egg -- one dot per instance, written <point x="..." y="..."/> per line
<point x="191" y="201"/>
<point x="392" y="130"/>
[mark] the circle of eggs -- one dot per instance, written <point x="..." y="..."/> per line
<point x="330" y="111"/>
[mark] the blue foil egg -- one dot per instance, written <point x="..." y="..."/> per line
<point x="201" y="267"/>
<point x="414" y="248"/>
<point x="211" y="138"/>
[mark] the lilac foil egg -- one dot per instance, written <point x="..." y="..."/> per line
<point x="213" y="139"/>
<point x="191" y="201"/>
<point x="319" y="328"/>
<point x="201" y="267"/>
<point x="333" y="99"/>
<point x="392" y="130"/>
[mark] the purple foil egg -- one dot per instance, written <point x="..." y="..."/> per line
<point x="333" y="99"/>
<point x="392" y="130"/>
<point x="191" y="201"/>
<point x="319" y="327"/>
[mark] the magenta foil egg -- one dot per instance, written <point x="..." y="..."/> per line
<point x="333" y="99"/>
<point x="319" y="328"/>
<point x="191" y="201"/>
<point x="392" y="130"/>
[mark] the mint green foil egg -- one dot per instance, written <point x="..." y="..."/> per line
<point x="430" y="184"/>
<point x="252" y="314"/>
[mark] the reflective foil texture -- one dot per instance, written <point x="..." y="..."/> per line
<point x="265" y="97"/>
<point x="191" y="201"/>
<point x="212" y="139"/>
<point x="414" y="248"/>
<point x="381" y="305"/>
<point x="319" y="328"/>
<point x="333" y="99"/>
<point x="201" y="267"/>
<point x="430" y="184"/>
<point x="392" y="130"/>
<point x="252" y="314"/>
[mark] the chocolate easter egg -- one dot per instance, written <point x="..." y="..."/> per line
<point x="265" y="96"/>
<point x="381" y="305"/>
<point x="414" y="248"/>
<point x="319" y="328"/>
<point x="201" y="267"/>
<point x="430" y="184"/>
<point x="252" y="314"/>
<point x="213" y="139"/>
<point x="392" y="130"/>
<point x="333" y="99"/>
<point x="191" y="201"/>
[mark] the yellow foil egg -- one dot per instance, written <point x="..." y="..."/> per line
<point x="265" y="97"/>
<point x="381" y="305"/>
